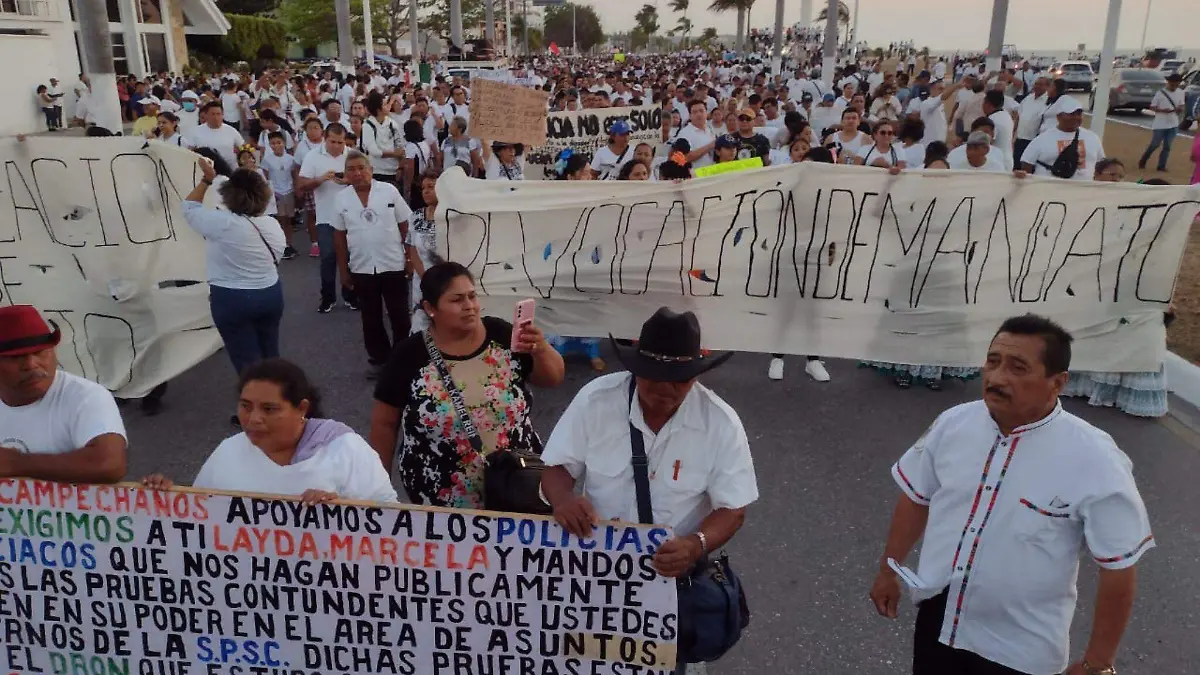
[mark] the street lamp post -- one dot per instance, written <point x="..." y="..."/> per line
<point x="1146" y="23"/>
<point x="995" y="57"/>
<point x="829" y="55"/>
<point x="1107" y="54"/>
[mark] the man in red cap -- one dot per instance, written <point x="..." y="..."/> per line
<point x="53" y="425"/>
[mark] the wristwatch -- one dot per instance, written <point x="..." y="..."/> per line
<point x="1097" y="670"/>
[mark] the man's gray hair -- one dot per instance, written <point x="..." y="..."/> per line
<point x="354" y="153"/>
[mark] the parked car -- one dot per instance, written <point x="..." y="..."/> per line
<point x="1077" y="74"/>
<point x="1132" y="89"/>
<point x="1191" y="108"/>
<point x="1169" y="66"/>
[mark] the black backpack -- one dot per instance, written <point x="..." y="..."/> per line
<point x="1067" y="162"/>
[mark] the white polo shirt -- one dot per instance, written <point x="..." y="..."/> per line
<point x="317" y="163"/>
<point x="1008" y="516"/>
<point x="699" y="462"/>
<point x="372" y="231"/>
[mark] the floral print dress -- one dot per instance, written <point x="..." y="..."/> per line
<point x="437" y="464"/>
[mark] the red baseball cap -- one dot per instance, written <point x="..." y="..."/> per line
<point x="24" y="331"/>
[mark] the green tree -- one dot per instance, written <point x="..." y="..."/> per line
<point x="250" y="39"/>
<point x="247" y="7"/>
<point x="647" y="22"/>
<point x="638" y="39"/>
<point x="557" y="25"/>
<point x="536" y="39"/>
<point x="742" y="7"/>
<point x="314" y="22"/>
<point x="843" y="18"/>
<point x="437" y="20"/>
<point x="683" y="26"/>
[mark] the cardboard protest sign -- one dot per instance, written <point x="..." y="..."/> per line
<point x="92" y="234"/>
<point x="586" y="132"/>
<point x="118" y="579"/>
<point x="833" y="260"/>
<point x="506" y="112"/>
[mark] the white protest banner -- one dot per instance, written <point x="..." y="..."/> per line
<point x="587" y="131"/>
<point x="91" y="233"/>
<point x="831" y="260"/>
<point x="117" y="580"/>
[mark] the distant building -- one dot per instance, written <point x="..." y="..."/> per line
<point x="39" y="39"/>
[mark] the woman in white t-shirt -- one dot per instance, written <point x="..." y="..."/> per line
<point x="287" y="448"/>
<point x="793" y="154"/>
<point x="884" y="152"/>
<point x="848" y="139"/>
<point x="504" y="161"/>
<point x="460" y="148"/>
<point x="242" y="250"/>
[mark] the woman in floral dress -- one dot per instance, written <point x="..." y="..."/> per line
<point x="438" y="463"/>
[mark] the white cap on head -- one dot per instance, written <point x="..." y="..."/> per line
<point x="189" y="94"/>
<point x="1069" y="105"/>
<point x="150" y="100"/>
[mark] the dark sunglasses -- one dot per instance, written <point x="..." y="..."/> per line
<point x="745" y="118"/>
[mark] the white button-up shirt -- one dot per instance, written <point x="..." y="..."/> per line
<point x="699" y="461"/>
<point x="1008" y="516"/>
<point x="372" y="231"/>
<point x="317" y="163"/>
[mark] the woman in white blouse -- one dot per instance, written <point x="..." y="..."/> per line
<point x="504" y="161"/>
<point x="242" y="249"/>
<point x="287" y="448"/>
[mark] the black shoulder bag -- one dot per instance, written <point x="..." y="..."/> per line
<point x="712" y="603"/>
<point x="1067" y="162"/>
<point x="512" y="479"/>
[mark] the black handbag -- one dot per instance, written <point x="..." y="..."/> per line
<point x="512" y="479"/>
<point x="712" y="603"/>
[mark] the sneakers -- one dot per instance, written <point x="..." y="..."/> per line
<point x="775" y="370"/>
<point x="288" y="253"/>
<point x="314" y="251"/>
<point x="816" y="370"/>
<point x="325" y="307"/>
<point x="351" y="304"/>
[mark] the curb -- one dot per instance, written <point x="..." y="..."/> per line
<point x="1183" y="378"/>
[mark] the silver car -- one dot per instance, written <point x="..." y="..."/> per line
<point x="1191" y="109"/>
<point x="1132" y="89"/>
<point x="1077" y="74"/>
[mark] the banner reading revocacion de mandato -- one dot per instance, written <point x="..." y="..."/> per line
<point x="119" y="580"/>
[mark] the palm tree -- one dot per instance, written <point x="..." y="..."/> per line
<point x="647" y="20"/>
<point x="684" y="25"/>
<point x="743" y="8"/>
<point x="843" y="18"/>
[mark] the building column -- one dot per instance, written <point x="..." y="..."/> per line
<point x="134" y="58"/>
<point x="177" y="51"/>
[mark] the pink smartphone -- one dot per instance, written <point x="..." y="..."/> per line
<point x="522" y="316"/>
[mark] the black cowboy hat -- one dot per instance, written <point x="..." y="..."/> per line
<point x="668" y="349"/>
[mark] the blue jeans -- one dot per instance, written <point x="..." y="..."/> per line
<point x="1162" y="137"/>
<point x="248" y="321"/>
<point x="329" y="275"/>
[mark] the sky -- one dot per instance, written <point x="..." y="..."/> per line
<point x="1032" y="24"/>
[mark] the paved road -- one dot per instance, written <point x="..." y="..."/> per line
<point x="822" y="452"/>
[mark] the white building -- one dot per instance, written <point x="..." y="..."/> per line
<point x="39" y="39"/>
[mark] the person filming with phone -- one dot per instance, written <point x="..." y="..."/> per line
<point x="460" y="392"/>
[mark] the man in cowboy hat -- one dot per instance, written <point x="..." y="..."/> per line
<point x="701" y="475"/>
<point x="53" y="425"/>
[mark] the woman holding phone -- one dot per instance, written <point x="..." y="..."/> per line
<point x="439" y="464"/>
